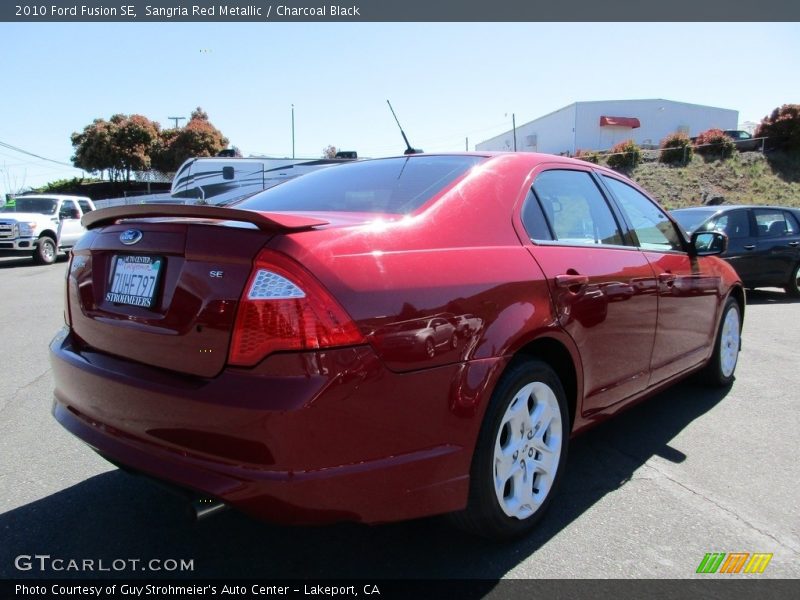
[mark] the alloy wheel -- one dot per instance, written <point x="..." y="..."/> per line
<point x="729" y="342"/>
<point x="527" y="450"/>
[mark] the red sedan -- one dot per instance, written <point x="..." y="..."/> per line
<point x="264" y="356"/>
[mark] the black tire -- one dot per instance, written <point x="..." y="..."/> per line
<point x="46" y="251"/>
<point x="792" y="287"/>
<point x="719" y="372"/>
<point x="484" y="515"/>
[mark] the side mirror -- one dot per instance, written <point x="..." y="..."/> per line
<point x="708" y="243"/>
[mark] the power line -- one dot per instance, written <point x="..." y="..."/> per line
<point x="15" y="149"/>
<point x="18" y="162"/>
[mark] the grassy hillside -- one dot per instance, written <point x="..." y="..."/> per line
<point x="747" y="178"/>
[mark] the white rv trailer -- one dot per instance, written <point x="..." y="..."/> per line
<point x="222" y="180"/>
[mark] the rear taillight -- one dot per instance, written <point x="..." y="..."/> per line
<point x="284" y="307"/>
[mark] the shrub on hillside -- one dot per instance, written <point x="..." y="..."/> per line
<point x="676" y="149"/>
<point x="588" y="155"/>
<point x="782" y="128"/>
<point x="64" y="186"/>
<point x="714" y="144"/>
<point x="625" y="155"/>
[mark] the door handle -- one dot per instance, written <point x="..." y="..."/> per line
<point x="667" y="278"/>
<point x="750" y="247"/>
<point x="568" y="281"/>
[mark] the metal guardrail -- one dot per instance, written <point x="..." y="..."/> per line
<point x="695" y="146"/>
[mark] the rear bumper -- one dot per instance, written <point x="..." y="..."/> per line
<point x="303" y="438"/>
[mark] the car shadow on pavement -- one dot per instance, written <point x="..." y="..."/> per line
<point x="9" y="263"/>
<point x="116" y="516"/>
<point x="770" y="297"/>
<point x="25" y="261"/>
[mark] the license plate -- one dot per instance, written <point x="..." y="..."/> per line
<point x="134" y="280"/>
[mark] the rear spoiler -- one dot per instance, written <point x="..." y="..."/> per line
<point x="263" y="220"/>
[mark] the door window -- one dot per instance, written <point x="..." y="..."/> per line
<point x="68" y="210"/>
<point x="773" y="223"/>
<point x="653" y="230"/>
<point x="734" y="224"/>
<point x="574" y="209"/>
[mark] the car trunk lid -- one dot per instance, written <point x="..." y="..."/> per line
<point x="160" y="285"/>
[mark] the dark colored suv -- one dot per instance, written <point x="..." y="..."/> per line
<point x="764" y="241"/>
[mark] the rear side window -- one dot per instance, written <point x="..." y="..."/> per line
<point x="85" y="206"/>
<point x="774" y="223"/>
<point x="44" y="206"/>
<point x="653" y="229"/>
<point x="533" y="219"/>
<point x="390" y="186"/>
<point x="574" y="209"/>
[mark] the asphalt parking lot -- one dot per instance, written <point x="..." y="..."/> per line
<point x="690" y="471"/>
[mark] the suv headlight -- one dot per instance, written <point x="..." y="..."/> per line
<point x="27" y="229"/>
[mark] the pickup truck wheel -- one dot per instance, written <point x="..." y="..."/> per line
<point x="46" y="252"/>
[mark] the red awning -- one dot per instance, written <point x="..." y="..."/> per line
<point x="631" y="122"/>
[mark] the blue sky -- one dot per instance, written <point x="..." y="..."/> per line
<point x="447" y="82"/>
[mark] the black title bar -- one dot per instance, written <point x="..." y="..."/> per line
<point x="132" y="11"/>
<point x="380" y="589"/>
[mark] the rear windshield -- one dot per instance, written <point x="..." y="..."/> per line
<point x="388" y="186"/>
<point x="692" y="219"/>
<point x="45" y="206"/>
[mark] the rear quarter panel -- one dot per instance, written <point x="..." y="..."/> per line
<point x="459" y="258"/>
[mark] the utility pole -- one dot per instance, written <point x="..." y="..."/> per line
<point x="176" y="119"/>
<point x="514" y="127"/>
<point x="466" y="144"/>
<point x="292" y="130"/>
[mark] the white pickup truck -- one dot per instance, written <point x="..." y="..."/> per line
<point x="42" y="225"/>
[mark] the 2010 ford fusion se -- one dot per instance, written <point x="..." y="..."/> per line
<point x="386" y="339"/>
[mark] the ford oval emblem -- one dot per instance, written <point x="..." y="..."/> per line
<point x="130" y="236"/>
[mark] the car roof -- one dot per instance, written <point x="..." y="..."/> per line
<point x="52" y="197"/>
<point x="532" y="158"/>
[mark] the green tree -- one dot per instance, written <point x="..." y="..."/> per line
<point x="162" y="158"/>
<point x="329" y="152"/>
<point x="135" y="138"/>
<point x="94" y="147"/>
<point x="198" y="138"/>
<point x="120" y="145"/>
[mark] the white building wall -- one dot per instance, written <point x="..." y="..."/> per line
<point x="551" y="134"/>
<point x="577" y="126"/>
<point x="658" y="119"/>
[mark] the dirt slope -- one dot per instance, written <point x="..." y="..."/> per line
<point x="747" y="178"/>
